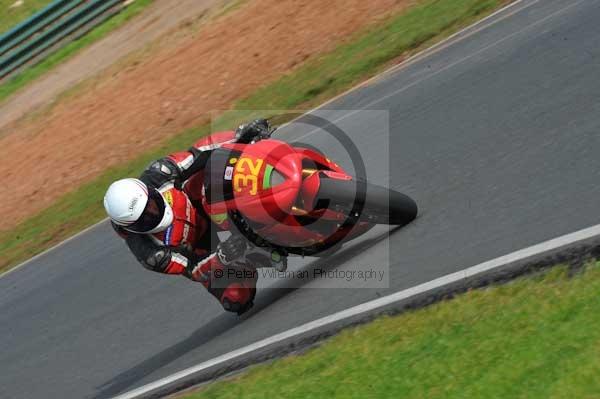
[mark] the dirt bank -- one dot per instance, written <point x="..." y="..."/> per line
<point x="138" y="107"/>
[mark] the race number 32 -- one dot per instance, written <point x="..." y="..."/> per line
<point x="246" y="174"/>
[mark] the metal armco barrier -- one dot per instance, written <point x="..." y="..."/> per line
<point x="49" y="29"/>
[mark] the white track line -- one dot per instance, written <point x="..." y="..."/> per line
<point x="381" y="302"/>
<point x="442" y="44"/>
<point x="398" y="296"/>
<point x="372" y="305"/>
<point x="453" y="64"/>
<point x="425" y="52"/>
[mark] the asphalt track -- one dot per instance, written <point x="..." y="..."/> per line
<point x="496" y="136"/>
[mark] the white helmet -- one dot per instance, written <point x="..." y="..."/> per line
<point x="129" y="203"/>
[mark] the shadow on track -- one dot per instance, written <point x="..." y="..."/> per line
<point x="201" y="336"/>
<point x="274" y="293"/>
<point x="224" y="322"/>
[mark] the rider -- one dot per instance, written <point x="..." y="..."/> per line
<point x="164" y="225"/>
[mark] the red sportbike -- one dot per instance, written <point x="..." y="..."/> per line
<point x="293" y="199"/>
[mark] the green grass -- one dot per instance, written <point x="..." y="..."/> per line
<point x="11" y="16"/>
<point x="319" y="78"/>
<point x="532" y="338"/>
<point x="366" y="53"/>
<point x="30" y="74"/>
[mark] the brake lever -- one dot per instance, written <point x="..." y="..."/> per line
<point x="273" y="130"/>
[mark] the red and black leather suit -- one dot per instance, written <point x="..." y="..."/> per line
<point x="188" y="246"/>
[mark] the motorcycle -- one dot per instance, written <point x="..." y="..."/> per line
<point x="291" y="199"/>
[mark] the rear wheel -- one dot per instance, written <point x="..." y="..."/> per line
<point x="381" y="205"/>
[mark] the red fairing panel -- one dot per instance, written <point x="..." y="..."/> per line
<point x="310" y="188"/>
<point x="214" y="140"/>
<point x="183" y="159"/>
<point x="253" y="195"/>
<point x="320" y="159"/>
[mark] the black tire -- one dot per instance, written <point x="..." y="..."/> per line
<point x="382" y="205"/>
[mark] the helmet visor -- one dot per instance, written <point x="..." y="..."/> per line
<point x="152" y="214"/>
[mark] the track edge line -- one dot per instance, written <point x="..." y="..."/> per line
<point x="517" y="263"/>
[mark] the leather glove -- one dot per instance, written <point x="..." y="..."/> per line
<point x="232" y="249"/>
<point x="256" y="130"/>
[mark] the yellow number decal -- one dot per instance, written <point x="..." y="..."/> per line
<point x="244" y="177"/>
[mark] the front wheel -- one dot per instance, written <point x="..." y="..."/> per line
<point x="381" y="205"/>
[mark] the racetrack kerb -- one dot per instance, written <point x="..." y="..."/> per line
<point x="535" y="282"/>
<point x="536" y="337"/>
<point x="497" y="158"/>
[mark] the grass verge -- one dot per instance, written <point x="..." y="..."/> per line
<point x="29" y="74"/>
<point x="11" y="13"/>
<point x="536" y="337"/>
<point x="322" y="77"/>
